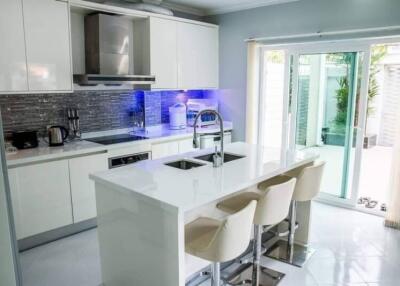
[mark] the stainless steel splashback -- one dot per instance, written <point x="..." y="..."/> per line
<point x="107" y="40"/>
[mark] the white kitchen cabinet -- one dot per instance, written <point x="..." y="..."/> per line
<point x="13" y="74"/>
<point x="183" y="55"/>
<point x="170" y="148"/>
<point x="82" y="188"/>
<point x="164" y="149"/>
<point x="48" y="49"/>
<point x="163" y="53"/>
<point x="197" y="56"/>
<point x="186" y="145"/>
<point x="41" y="197"/>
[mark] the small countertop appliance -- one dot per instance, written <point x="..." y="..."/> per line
<point x="57" y="135"/>
<point x="177" y="116"/>
<point x="194" y="106"/>
<point x="25" y="139"/>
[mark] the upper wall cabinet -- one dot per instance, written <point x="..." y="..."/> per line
<point x="197" y="56"/>
<point x="13" y="76"/>
<point x="163" y="53"/>
<point x="48" y="47"/>
<point x="183" y="55"/>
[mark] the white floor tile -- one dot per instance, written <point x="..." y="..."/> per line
<point x="384" y="284"/>
<point x="334" y="271"/>
<point x="353" y="249"/>
<point x="378" y="269"/>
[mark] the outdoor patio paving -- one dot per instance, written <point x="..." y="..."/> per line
<point x="374" y="176"/>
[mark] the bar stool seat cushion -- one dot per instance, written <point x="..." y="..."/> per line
<point x="236" y="203"/>
<point x="199" y="233"/>
<point x="220" y="241"/>
<point x="263" y="186"/>
<point x="273" y="200"/>
<point x="308" y="181"/>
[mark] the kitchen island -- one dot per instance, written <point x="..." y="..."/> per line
<point x="142" y="209"/>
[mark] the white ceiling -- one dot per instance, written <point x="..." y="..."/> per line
<point x="210" y="7"/>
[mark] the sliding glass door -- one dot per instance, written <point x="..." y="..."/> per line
<point x="325" y="113"/>
<point x="313" y="97"/>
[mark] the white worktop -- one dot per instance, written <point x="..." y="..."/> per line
<point x="184" y="190"/>
<point x="82" y="147"/>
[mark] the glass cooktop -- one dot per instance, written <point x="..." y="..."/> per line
<point x="114" y="139"/>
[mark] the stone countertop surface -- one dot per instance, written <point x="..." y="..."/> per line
<point x="83" y="147"/>
<point x="185" y="190"/>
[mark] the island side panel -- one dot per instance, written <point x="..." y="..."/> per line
<point x="141" y="242"/>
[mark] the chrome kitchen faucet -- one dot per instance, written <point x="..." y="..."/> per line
<point x="217" y="160"/>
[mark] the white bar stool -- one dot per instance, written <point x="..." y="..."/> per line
<point x="307" y="188"/>
<point x="220" y="241"/>
<point x="272" y="208"/>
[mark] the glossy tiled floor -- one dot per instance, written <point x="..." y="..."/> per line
<point x="353" y="248"/>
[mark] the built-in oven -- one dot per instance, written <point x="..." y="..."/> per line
<point x="124" y="160"/>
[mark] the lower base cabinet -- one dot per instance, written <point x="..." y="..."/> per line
<point x="41" y="197"/>
<point x="165" y="149"/>
<point x="82" y="188"/>
<point x="50" y="195"/>
<point x="170" y="148"/>
<point x="186" y="145"/>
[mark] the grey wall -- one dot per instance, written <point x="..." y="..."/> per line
<point x="305" y="16"/>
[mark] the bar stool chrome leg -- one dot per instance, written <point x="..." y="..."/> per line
<point x="255" y="278"/>
<point x="288" y="251"/>
<point x="307" y="188"/>
<point x="253" y="273"/>
<point x="215" y="274"/>
<point x="273" y="203"/>
<point x="292" y="222"/>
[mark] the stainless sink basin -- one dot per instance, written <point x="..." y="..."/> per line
<point x="227" y="157"/>
<point x="184" y="164"/>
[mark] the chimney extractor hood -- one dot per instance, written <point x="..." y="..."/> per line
<point x="94" y="79"/>
<point x="108" y="41"/>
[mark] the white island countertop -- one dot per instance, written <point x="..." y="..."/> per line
<point x="185" y="190"/>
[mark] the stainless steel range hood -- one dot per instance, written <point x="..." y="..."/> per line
<point x="94" y="79"/>
<point x="108" y="44"/>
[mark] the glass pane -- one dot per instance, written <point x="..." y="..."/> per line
<point x="381" y="125"/>
<point x="325" y="113"/>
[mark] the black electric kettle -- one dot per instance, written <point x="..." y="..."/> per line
<point x="57" y="135"/>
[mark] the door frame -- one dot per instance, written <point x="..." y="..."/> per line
<point x="293" y="48"/>
<point x="292" y="54"/>
<point x="349" y="182"/>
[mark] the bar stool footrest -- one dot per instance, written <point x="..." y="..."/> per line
<point x="281" y="234"/>
<point x="298" y="256"/>
<point x="243" y="275"/>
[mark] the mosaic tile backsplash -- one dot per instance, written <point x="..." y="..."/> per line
<point x="99" y="110"/>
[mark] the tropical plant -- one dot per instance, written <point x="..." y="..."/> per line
<point x="377" y="54"/>
<point x="342" y="96"/>
<point x="342" y="93"/>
